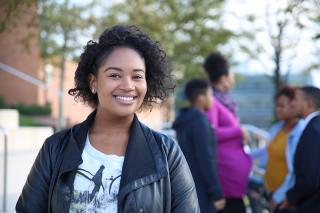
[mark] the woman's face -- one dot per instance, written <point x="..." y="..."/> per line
<point x="120" y="82"/>
<point x="299" y="104"/>
<point x="226" y="82"/>
<point x="284" y="110"/>
<point x="208" y="97"/>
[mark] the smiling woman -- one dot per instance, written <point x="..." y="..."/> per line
<point x="111" y="162"/>
<point x="120" y="84"/>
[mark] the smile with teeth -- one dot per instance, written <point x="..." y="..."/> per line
<point x="124" y="99"/>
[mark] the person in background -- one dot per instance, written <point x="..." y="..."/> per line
<point x="234" y="164"/>
<point x="284" y="137"/>
<point x="111" y="162"/>
<point x="304" y="196"/>
<point x="217" y="68"/>
<point x="197" y="141"/>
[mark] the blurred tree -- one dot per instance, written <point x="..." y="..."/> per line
<point x="62" y="26"/>
<point x="10" y="11"/>
<point x="187" y="29"/>
<point x="279" y="43"/>
<point x="14" y="13"/>
<point x="312" y="22"/>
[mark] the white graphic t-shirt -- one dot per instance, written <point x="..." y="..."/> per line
<point x="97" y="182"/>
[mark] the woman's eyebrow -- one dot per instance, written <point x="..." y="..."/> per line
<point x="119" y="69"/>
<point x="113" y="68"/>
<point x="138" y="70"/>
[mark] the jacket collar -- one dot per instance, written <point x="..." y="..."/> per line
<point x="72" y="154"/>
<point x="144" y="162"/>
<point x="143" y="158"/>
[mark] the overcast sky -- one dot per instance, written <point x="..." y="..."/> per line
<point x="301" y="56"/>
<point x="298" y="58"/>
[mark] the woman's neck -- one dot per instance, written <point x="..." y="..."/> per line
<point x="110" y="134"/>
<point x="289" y="124"/>
<point x="104" y="122"/>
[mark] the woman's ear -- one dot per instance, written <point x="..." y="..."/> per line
<point x="93" y="83"/>
<point x="222" y="83"/>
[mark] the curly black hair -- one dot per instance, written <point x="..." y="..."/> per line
<point x="158" y="73"/>
<point x="288" y="91"/>
<point x="312" y="94"/>
<point x="196" y="87"/>
<point x="216" y="66"/>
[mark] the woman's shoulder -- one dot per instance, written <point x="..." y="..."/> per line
<point x="56" y="140"/>
<point x="168" y="146"/>
<point x="275" y="127"/>
<point x="221" y="108"/>
<point x="160" y="138"/>
<point x="217" y="106"/>
<point x="165" y="148"/>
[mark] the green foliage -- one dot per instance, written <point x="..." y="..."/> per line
<point x="280" y="44"/>
<point x="27" y="109"/>
<point x="12" y="10"/>
<point x="28" y="121"/>
<point x="3" y="104"/>
<point x="14" y="13"/>
<point x="62" y="25"/>
<point x="187" y="30"/>
<point x="315" y="17"/>
<point x="33" y="109"/>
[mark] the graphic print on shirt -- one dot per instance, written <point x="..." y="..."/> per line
<point x="97" y="193"/>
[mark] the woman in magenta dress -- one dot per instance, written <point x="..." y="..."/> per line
<point x="234" y="164"/>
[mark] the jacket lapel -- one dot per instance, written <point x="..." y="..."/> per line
<point x="72" y="155"/>
<point x="143" y="162"/>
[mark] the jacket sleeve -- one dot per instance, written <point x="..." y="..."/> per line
<point x="34" y="196"/>
<point x="183" y="191"/>
<point x="205" y="152"/>
<point x="224" y="133"/>
<point x="307" y="171"/>
<point x="280" y="194"/>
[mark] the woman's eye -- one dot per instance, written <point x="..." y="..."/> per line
<point x="137" y="77"/>
<point x="114" y="76"/>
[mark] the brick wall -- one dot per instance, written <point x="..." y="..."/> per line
<point x="14" y="53"/>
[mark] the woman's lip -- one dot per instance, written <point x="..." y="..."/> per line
<point x="125" y="96"/>
<point x="125" y="99"/>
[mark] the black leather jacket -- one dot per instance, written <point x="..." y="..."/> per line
<point x="155" y="174"/>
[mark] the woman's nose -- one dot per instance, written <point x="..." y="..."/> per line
<point x="127" y="83"/>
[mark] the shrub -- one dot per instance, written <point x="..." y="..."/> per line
<point x="28" y="121"/>
<point x="27" y="109"/>
<point x="33" y="109"/>
<point x="3" y="104"/>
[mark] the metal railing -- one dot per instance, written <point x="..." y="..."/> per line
<point x="5" y="168"/>
<point x="30" y="79"/>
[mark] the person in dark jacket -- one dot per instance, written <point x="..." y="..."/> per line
<point x="196" y="139"/>
<point x="111" y="162"/>
<point x="305" y="194"/>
